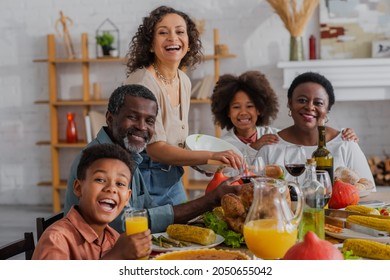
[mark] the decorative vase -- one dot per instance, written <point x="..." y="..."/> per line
<point x="296" y="48"/>
<point x="71" y="131"/>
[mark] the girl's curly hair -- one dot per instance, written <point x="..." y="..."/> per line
<point x="253" y="83"/>
<point x="139" y="54"/>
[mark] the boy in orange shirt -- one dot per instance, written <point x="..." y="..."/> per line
<point x="103" y="176"/>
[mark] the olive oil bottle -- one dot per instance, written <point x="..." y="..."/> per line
<point x="322" y="155"/>
<point x="313" y="217"/>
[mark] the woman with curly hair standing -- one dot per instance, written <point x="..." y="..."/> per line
<point x="245" y="105"/>
<point x="166" y="42"/>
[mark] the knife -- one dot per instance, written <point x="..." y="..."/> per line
<point x="337" y="213"/>
<point x="355" y="227"/>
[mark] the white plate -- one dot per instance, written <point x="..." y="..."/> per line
<point x="347" y="233"/>
<point x="372" y="203"/>
<point x="364" y="193"/>
<point x="203" y="142"/>
<point x="156" y="248"/>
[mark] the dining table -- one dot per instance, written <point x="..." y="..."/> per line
<point x="381" y="195"/>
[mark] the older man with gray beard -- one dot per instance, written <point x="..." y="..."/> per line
<point x="130" y="117"/>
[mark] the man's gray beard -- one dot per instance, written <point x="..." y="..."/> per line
<point x="132" y="148"/>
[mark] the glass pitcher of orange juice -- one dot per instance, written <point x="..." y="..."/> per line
<point x="270" y="227"/>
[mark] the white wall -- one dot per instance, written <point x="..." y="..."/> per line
<point x="249" y="28"/>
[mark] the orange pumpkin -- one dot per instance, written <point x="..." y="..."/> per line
<point x="343" y="194"/>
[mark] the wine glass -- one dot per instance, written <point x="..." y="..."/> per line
<point x="324" y="179"/>
<point x="252" y="166"/>
<point x="294" y="160"/>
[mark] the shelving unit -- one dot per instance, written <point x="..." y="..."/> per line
<point x="191" y="185"/>
<point x="57" y="183"/>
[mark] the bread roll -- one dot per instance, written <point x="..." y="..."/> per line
<point x="346" y="175"/>
<point x="273" y="171"/>
<point x="368" y="184"/>
<point x="360" y="187"/>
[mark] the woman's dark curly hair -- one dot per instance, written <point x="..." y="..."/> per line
<point x="139" y="53"/>
<point x="312" y="77"/>
<point x="253" y="83"/>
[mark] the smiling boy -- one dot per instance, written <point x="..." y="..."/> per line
<point x="103" y="176"/>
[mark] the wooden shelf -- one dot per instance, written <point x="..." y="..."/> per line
<point x="85" y="102"/>
<point x="43" y="142"/>
<point x="41" y="102"/>
<point x="70" y="145"/>
<point x="198" y="184"/>
<point x="61" y="186"/>
<point x="81" y="60"/>
<point x="102" y="102"/>
<point x="201" y="101"/>
<point x="218" y="56"/>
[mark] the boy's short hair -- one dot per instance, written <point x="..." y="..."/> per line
<point x="102" y="151"/>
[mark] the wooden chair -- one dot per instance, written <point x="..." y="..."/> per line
<point x="25" y="245"/>
<point x="43" y="223"/>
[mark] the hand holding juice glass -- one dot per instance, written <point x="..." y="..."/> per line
<point x="136" y="221"/>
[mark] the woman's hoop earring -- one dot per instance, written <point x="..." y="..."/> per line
<point x="326" y="119"/>
<point x="289" y="113"/>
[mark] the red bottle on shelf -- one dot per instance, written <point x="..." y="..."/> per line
<point x="312" y="47"/>
<point x="71" y="131"/>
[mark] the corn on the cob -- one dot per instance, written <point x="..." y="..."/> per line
<point x="370" y="222"/>
<point x="367" y="249"/>
<point x="203" y="236"/>
<point x="362" y="209"/>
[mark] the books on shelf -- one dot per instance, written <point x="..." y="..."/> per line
<point x="203" y="88"/>
<point x="93" y="123"/>
<point x="88" y="130"/>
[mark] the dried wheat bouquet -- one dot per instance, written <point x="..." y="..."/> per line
<point x="294" y="19"/>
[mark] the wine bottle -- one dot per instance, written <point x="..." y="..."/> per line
<point x="313" y="217"/>
<point x="322" y="155"/>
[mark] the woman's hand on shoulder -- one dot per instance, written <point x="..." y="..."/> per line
<point x="349" y="134"/>
<point x="266" y="139"/>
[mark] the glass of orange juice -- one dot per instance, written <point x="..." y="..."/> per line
<point x="136" y="221"/>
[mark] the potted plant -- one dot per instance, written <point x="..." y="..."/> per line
<point x="105" y="40"/>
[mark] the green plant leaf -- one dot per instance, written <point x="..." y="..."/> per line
<point x="106" y="39"/>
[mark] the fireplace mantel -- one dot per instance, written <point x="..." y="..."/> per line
<point x="352" y="79"/>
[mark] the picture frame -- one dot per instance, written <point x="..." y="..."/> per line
<point x="380" y="49"/>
